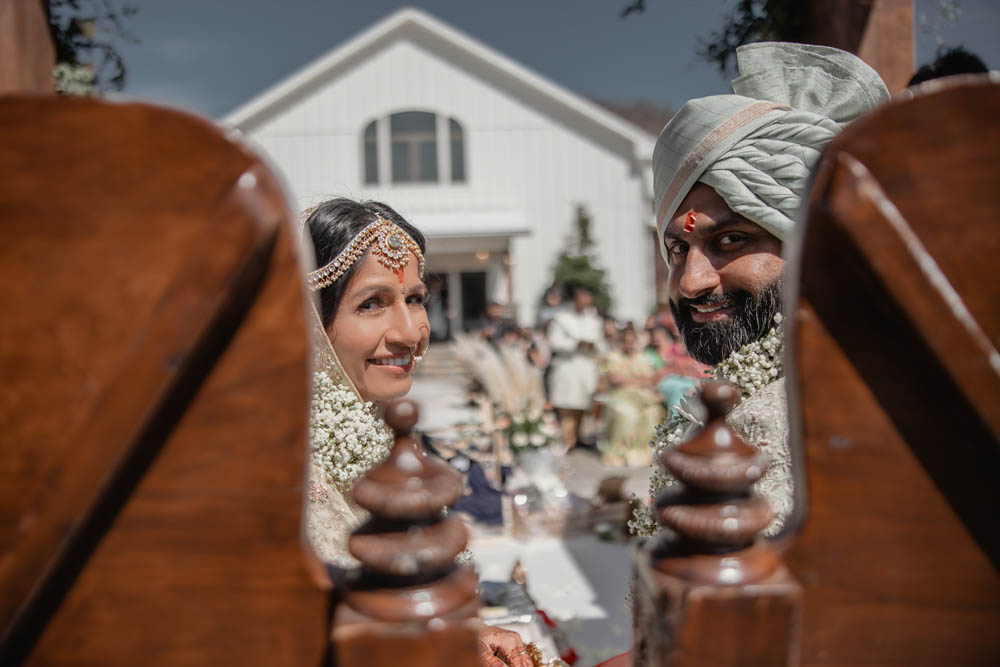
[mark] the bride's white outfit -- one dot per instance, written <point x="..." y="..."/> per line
<point x="330" y="519"/>
<point x="331" y="514"/>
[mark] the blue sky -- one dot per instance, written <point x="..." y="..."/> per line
<point x="212" y="55"/>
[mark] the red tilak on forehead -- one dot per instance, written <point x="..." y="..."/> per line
<point x="689" y="222"/>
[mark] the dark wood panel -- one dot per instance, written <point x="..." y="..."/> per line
<point x="155" y="400"/>
<point x="892" y="398"/>
<point x="891" y="574"/>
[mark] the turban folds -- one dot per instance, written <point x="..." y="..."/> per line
<point x="756" y="148"/>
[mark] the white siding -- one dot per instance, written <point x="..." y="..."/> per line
<point x="517" y="158"/>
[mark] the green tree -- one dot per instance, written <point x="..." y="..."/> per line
<point x="576" y="265"/>
<point x="85" y="34"/>
<point x="754" y="21"/>
<point x="749" y="21"/>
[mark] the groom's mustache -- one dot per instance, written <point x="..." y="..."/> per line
<point x="735" y="297"/>
<point x="752" y="318"/>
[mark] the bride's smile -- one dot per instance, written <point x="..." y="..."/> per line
<point x="379" y="327"/>
<point x="402" y="362"/>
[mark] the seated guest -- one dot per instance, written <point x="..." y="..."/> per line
<point x="493" y="326"/>
<point x="612" y="333"/>
<point x="632" y="407"/>
<point x="538" y="351"/>
<point x="437" y="310"/>
<point x="677" y="373"/>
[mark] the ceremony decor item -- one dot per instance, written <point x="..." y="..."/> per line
<point x="514" y="389"/>
<point x="526" y="432"/>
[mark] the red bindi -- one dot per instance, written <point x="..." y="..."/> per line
<point x="689" y="222"/>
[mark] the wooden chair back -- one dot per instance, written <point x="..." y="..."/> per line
<point x="153" y="409"/>
<point x="894" y="385"/>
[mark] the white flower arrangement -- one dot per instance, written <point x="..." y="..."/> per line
<point x="346" y="437"/>
<point x="751" y="368"/>
<point x="514" y="388"/>
<point x="513" y="385"/>
<point x="527" y="431"/>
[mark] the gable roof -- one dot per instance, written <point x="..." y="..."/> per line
<point x="408" y="22"/>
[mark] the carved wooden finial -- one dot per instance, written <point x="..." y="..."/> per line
<point x="713" y="510"/>
<point x="717" y="460"/>
<point x="408" y="485"/>
<point x="402" y="417"/>
<point x="710" y="591"/>
<point x="408" y="547"/>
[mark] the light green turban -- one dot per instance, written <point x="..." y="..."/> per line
<point x="756" y="148"/>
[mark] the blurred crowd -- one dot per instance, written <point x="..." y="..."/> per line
<point x="610" y="382"/>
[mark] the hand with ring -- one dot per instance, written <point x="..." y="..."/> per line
<point x="502" y="648"/>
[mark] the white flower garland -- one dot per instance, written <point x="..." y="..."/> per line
<point x="756" y="364"/>
<point x="346" y="437"/>
<point x="751" y="368"/>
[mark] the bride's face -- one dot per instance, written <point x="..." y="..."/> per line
<point x="378" y="328"/>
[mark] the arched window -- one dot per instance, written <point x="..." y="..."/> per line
<point x="414" y="147"/>
<point x="457" y="145"/>
<point x="371" y="154"/>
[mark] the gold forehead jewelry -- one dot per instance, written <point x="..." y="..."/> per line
<point x="390" y="245"/>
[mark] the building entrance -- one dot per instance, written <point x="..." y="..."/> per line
<point x="473" y="298"/>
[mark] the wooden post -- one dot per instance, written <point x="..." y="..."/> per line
<point x="409" y="602"/>
<point x="26" y="51"/>
<point x="711" y="592"/>
<point x="880" y="32"/>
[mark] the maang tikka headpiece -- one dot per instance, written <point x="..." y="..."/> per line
<point x="389" y="243"/>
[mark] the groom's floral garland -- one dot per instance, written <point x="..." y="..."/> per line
<point x="756" y="364"/>
<point x="751" y="368"/>
<point x="346" y="437"/>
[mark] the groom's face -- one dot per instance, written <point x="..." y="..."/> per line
<point x="724" y="276"/>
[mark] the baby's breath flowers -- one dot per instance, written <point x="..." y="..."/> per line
<point x="667" y="434"/>
<point x="346" y="437"/>
<point x="751" y="368"/>
<point x="756" y="364"/>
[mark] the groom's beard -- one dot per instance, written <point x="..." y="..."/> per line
<point x="711" y="342"/>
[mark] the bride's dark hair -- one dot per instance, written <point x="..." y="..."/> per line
<point x="332" y="225"/>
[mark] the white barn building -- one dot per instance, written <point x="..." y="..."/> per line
<point x="487" y="158"/>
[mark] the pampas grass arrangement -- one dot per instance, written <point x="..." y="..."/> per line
<point x="514" y="388"/>
<point x="512" y="384"/>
